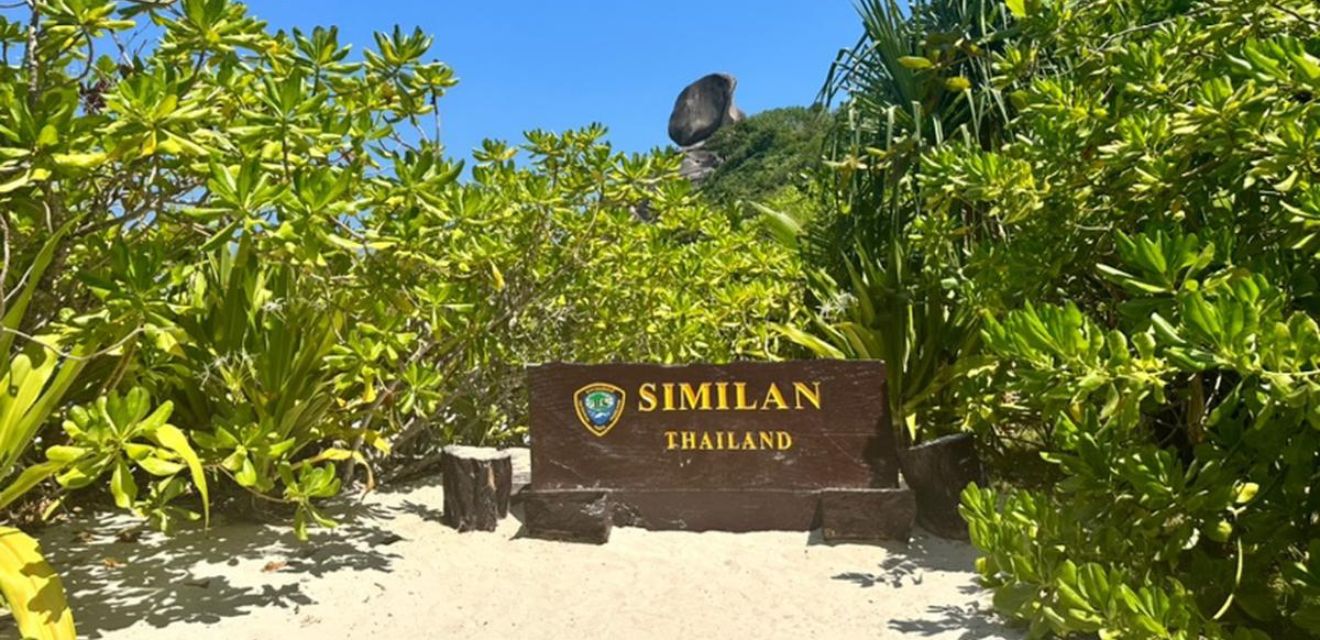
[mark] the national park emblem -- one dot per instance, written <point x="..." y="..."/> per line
<point x="599" y="406"/>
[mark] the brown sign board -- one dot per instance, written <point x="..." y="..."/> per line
<point x="740" y="447"/>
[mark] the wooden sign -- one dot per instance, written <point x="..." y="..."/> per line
<point x="739" y="447"/>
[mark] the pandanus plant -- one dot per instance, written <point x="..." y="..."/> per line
<point x="920" y="333"/>
<point x="114" y="434"/>
<point x="918" y="79"/>
<point x="32" y="383"/>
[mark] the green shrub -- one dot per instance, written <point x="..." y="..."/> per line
<point x="265" y="236"/>
<point x="1143" y="252"/>
<point x="552" y="259"/>
<point x="770" y="156"/>
<point x="1123" y="195"/>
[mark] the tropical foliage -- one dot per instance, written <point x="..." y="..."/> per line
<point x="1118" y="201"/>
<point x="884" y="286"/>
<point x="770" y="157"/>
<point x="240" y="266"/>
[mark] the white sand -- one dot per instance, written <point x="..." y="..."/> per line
<point x="393" y="571"/>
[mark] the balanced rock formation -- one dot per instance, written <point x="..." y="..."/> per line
<point x="702" y="108"/>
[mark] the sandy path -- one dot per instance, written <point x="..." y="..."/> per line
<point x="394" y="572"/>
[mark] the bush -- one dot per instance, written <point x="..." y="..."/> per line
<point x="1166" y="187"/>
<point x="241" y="265"/>
<point x="883" y="284"/>
<point x="1124" y="196"/>
<point x="260" y="240"/>
<point x="770" y="156"/>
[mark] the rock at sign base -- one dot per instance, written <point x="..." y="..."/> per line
<point x="568" y="515"/>
<point x="865" y="515"/>
<point x="938" y="471"/>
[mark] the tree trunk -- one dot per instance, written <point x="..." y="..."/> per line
<point x="477" y="482"/>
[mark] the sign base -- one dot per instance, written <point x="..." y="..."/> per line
<point x="586" y="515"/>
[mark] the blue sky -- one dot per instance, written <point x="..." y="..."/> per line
<point x="558" y="64"/>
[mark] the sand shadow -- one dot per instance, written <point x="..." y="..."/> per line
<point x="974" y="622"/>
<point x="423" y="511"/>
<point x="163" y="580"/>
<point x="410" y="485"/>
<point x="906" y="564"/>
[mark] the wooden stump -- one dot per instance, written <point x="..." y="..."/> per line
<point x="937" y="472"/>
<point x="477" y="482"/>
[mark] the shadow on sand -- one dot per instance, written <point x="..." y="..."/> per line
<point x="974" y="622"/>
<point x="164" y="580"/>
<point x="907" y="564"/>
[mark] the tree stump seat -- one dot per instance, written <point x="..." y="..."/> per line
<point x="477" y="483"/>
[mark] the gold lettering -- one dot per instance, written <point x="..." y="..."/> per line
<point x="728" y="440"/>
<point x="646" y="399"/>
<point x="740" y="395"/>
<point x="800" y="391"/>
<point x="722" y="396"/>
<point x="698" y="398"/>
<point x="693" y="396"/>
<point x="772" y="394"/>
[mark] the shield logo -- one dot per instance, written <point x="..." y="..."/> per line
<point x="599" y="406"/>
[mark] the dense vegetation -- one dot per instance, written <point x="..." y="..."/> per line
<point x="239" y="265"/>
<point x="1088" y="232"/>
<point x="771" y="157"/>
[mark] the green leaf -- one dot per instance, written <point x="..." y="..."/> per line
<point x="957" y="83"/>
<point x="159" y="467"/>
<point x="31" y="477"/>
<point x="65" y="454"/>
<point x="32" y="589"/>
<point x="1246" y="492"/>
<point x="333" y="455"/>
<point x="915" y="62"/>
<point x="173" y="439"/>
<point x="816" y="345"/>
<point x="78" y="160"/>
<point x="1220" y="531"/>
<point x="785" y="228"/>
<point x="17" y="309"/>
<point x="1307" y="616"/>
<point x="15" y="184"/>
<point x="122" y="485"/>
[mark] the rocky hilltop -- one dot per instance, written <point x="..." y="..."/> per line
<point x="700" y="110"/>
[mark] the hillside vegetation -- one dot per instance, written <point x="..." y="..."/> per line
<point x="769" y="156"/>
